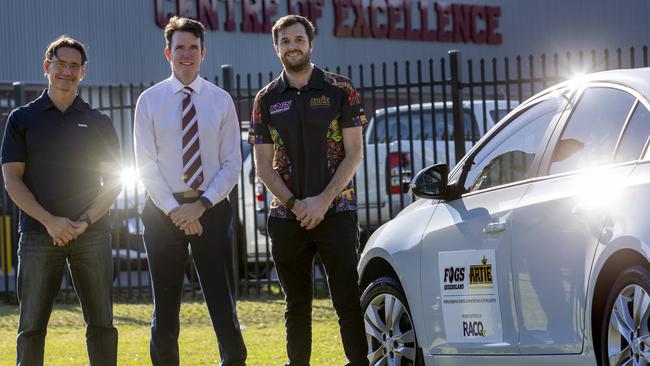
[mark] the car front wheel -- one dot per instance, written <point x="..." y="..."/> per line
<point x="389" y="326"/>
<point x="625" y="334"/>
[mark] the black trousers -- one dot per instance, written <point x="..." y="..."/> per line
<point x="167" y="252"/>
<point x="336" y="239"/>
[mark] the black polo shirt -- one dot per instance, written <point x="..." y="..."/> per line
<point x="64" y="154"/>
<point x="305" y="127"/>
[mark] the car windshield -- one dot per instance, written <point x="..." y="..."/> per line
<point x="422" y="131"/>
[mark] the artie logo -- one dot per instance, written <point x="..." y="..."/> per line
<point x="481" y="274"/>
<point x="321" y="101"/>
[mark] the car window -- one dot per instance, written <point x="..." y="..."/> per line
<point x="635" y="136"/>
<point x="507" y="157"/>
<point x="422" y="131"/>
<point x="245" y="149"/>
<point x="591" y="133"/>
<point x="497" y="116"/>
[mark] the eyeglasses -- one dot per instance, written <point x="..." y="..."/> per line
<point x="62" y="65"/>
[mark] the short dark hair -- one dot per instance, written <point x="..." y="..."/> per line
<point x="177" y="23"/>
<point x="69" y="42"/>
<point x="289" y="20"/>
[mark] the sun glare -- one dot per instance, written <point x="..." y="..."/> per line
<point x="129" y="178"/>
<point x="577" y="81"/>
<point x="600" y="190"/>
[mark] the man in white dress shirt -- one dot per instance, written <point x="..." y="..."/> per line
<point x="188" y="156"/>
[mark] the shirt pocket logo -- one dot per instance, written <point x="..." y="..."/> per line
<point x="82" y="125"/>
<point x="280" y="107"/>
<point x="320" y="102"/>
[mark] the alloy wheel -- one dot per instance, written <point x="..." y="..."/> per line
<point x="628" y="337"/>
<point x="390" y="333"/>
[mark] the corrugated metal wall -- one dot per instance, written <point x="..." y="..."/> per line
<point x="126" y="46"/>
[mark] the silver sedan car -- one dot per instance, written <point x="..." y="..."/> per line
<point x="534" y="249"/>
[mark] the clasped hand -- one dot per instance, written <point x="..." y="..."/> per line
<point x="310" y="211"/>
<point x="63" y="230"/>
<point x="186" y="217"/>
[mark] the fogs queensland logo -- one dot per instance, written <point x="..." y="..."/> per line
<point x="280" y="107"/>
<point x="454" y="277"/>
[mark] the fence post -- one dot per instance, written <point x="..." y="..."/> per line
<point x="229" y="86"/>
<point x="19" y="94"/>
<point x="457" y="104"/>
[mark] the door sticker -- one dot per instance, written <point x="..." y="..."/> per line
<point x="470" y="296"/>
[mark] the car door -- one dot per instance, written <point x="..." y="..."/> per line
<point x="466" y="273"/>
<point x="558" y="222"/>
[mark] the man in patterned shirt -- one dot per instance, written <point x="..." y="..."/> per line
<point x="306" y="129"/>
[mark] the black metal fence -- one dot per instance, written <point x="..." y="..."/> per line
<point x="420" y="113"/>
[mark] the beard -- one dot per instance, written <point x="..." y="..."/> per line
<point x="296" y="65"/>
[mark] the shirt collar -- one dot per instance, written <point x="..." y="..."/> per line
<point x="46" y="103"/>
<point x="78" y="103"/>
<point x="196" y="85"/>
<point x="316" y="80"/>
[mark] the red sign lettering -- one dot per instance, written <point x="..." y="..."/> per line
<point x="492" y="21"/>
<point x="361" y="28"/>
<point x="411" y="34"/>
<point x="208" y="15"/>
<point x="251" y="23"/>
<point x="461" y="16"/>
<point x="229" y="25"/>
<point x="382" y="19"/>
<point x="426" y="33"/>
<point x="341" y="10"/>
<point x="394" y="19"/>
<point x="478" y="12"/>
<point x="442" y="15"/>
<point x="378" y="29"/>
<point x="270" y="10"/>
<point x="161" y="18"/>
<point x="312" y="9"/>
<point x="185" y="8"/>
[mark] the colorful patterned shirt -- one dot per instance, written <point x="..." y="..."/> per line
<point x="306" y="129"/>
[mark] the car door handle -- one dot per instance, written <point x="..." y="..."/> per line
<point x="494" y="227"/>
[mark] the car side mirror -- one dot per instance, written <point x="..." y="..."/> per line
<point x="431" y="182"/>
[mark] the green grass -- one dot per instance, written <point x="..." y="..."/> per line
<point x="264" y="334"/>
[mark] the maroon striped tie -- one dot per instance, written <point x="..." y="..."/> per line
<point x="192" y="170"/>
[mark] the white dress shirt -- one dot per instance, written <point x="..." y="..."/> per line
<point x="158" y="141"/>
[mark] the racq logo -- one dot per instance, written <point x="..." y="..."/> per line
<point x="454" y="275"/>
<point x="474" y="329"/>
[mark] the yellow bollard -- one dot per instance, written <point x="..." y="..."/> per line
<point x="5" y="246"/>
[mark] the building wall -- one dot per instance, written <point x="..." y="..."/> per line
<point x="126" y="46"/>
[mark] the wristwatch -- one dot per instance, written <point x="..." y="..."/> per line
<point x="85" y="218"/>
<point x="205" y="202"/>
<point x="290" y="202"/>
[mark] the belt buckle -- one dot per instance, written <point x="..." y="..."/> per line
<point x="191" y="194"/>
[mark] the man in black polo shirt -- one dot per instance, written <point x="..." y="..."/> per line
<point x="307" y="131"/>
<point x="60" y="160"/>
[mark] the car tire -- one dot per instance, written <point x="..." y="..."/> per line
<point x="389" y="342"/>
<point x="625" y="320"/>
